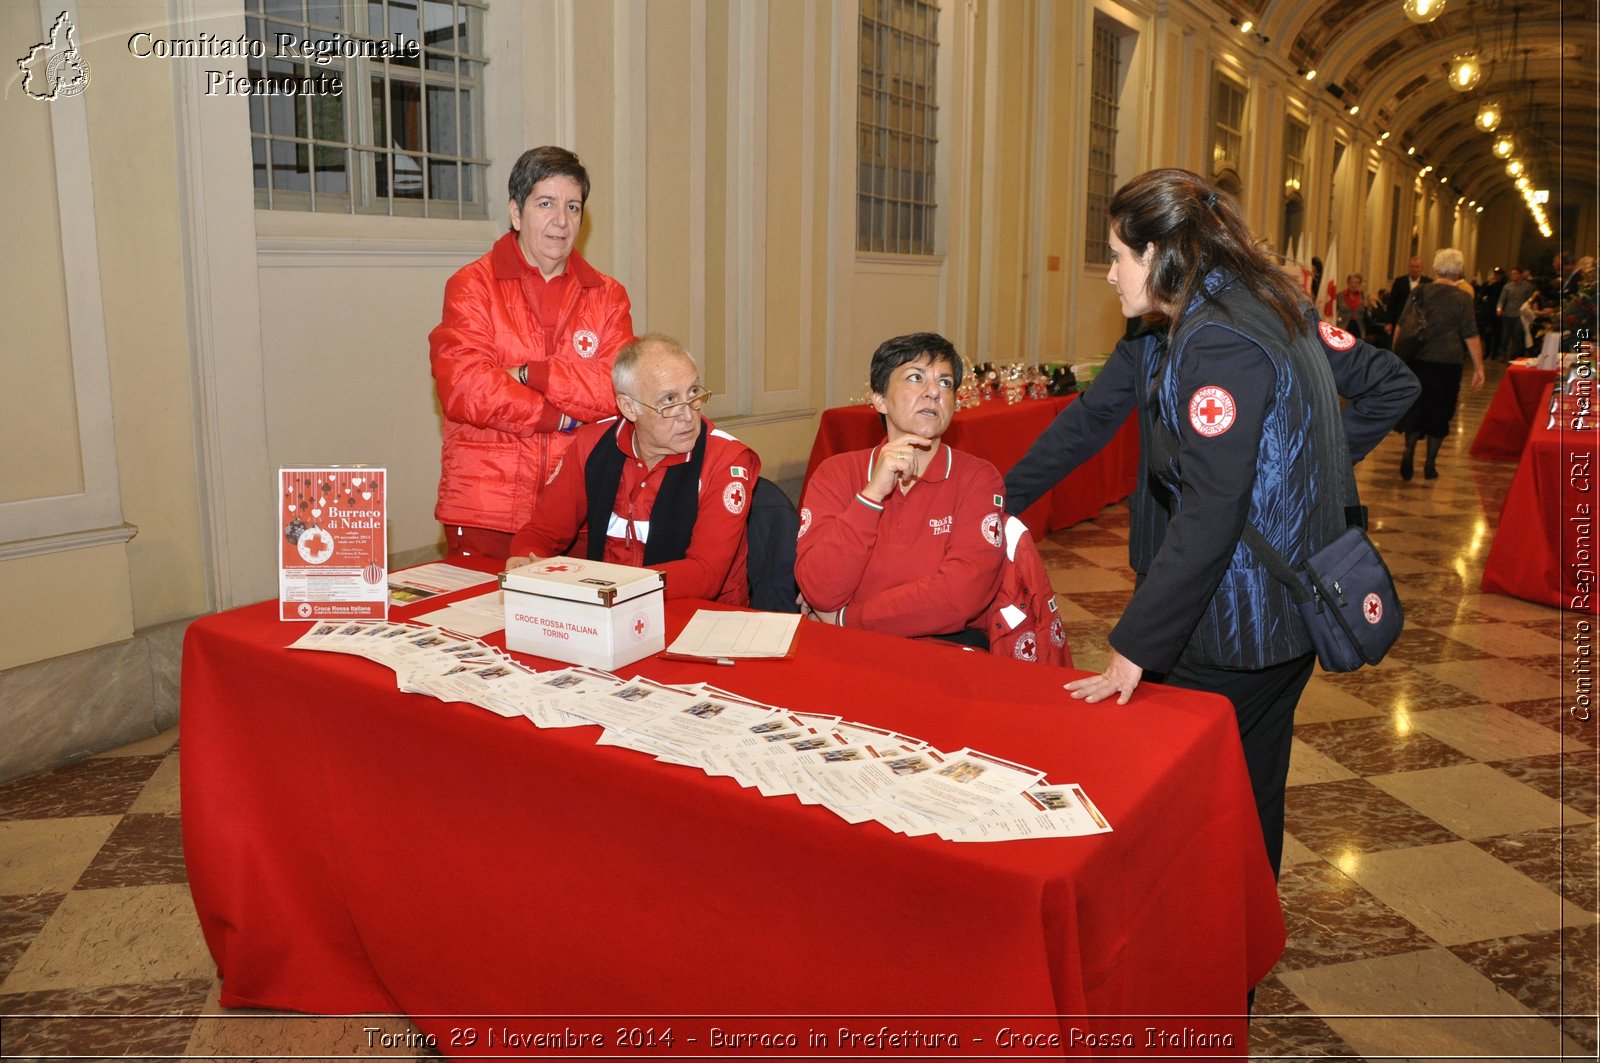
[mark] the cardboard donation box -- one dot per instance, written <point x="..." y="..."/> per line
<point x="584" y="612"/>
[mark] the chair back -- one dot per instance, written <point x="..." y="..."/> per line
<point x="771" y="530"/>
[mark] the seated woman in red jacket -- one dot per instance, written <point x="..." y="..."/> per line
<point x="904" y="538"/>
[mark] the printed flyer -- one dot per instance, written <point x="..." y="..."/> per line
<point x="332" y="556"/>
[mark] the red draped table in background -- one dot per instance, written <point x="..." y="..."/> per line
<point x="351" y="848"/>
<point x="1001" y="434"/>
<point x="1512" y="411"/>
<point x="1544" y="548"/>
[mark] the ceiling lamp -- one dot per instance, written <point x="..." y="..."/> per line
<point x="1423" y="11"/>
<point x="1465" y="71"/>
<point x="1505" y="145"/>
<point x="1488" y="118"/>
<point x="1514" y="168"/>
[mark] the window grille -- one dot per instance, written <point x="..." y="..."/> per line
<point x="1106" y="79"/>
<point x="404" y="133"/>
<point x="1227" y="118"/>
<point x="897" y="126"/>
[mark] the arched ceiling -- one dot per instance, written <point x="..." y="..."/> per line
<point x="1397" y="72"/>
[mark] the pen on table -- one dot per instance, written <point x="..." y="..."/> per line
<point x="724" y="661"/>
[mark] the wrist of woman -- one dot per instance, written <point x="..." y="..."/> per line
<point x="864" y="496"/>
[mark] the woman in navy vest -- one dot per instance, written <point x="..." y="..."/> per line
<point x="1244" y="426"/>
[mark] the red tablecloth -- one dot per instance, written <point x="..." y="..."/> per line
<point x="354" y="849"/>
<point x="1512" y="411"/>
<point x="1544" y="548"/>
<point x="1001" y="434"/>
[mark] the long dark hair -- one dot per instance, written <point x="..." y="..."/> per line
<point x="1197" y="228"/>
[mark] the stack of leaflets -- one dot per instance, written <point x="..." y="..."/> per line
<point x="856" y="771"/>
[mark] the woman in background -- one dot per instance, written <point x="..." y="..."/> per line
<point x="1452" y="337"/>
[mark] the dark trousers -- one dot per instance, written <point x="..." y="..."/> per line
<point x="1264" y="703"/>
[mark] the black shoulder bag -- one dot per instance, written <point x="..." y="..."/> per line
<point x="1344" y="594"/>
<point x="1413" y="326"/>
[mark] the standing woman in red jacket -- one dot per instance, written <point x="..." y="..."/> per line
<point x="522" y="357"/>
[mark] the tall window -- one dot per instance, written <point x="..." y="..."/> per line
<point x="897" y="126"/>
<point x="1295" y="134"/>
<point x="1104" y="89"/>
<point x="403" y="133"/>
<point x="1227" y="123"/>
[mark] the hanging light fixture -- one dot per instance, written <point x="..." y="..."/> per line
<point x="1488" y="117"/>
<point x="1423" y="11"/>
<point x="1465" y="71"/>
<point x="1514" y="168"/>
<point x="1490" y="109"/>
<point x="1505" y="145"/>
<point x="1466" y="66"/>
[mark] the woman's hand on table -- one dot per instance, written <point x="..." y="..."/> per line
<point x="1119" y="678"/>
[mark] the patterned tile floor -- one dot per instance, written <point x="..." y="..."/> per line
<point x="1439" y="880"/>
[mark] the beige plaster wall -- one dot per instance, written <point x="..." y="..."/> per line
<point x="138" y="214"/>
<point x="62" y="602"/>
<point x="38" y="409"/>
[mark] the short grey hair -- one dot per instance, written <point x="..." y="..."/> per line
<point x="1449" y="262"/>
<point x="628" y="359"/>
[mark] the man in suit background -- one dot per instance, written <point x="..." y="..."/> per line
<point x="1400" y="290"/>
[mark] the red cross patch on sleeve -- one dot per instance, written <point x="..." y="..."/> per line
<point x="1335" y="337"/>
<point x="1212" y="410"/>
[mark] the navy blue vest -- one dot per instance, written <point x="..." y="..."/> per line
<point x="1303" y="472"/>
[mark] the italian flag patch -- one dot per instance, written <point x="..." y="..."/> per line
<point x="1000" y="501"/>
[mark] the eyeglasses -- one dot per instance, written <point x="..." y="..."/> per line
<point x="695" y="403"/>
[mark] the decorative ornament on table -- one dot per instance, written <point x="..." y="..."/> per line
<point x="1062" y="381"/>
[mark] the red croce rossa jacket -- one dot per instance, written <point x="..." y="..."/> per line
<point x="500" y="438"/>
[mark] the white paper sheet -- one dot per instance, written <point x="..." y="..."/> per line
<point x="729" y="636"/>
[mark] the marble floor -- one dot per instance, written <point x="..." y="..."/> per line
<point x="1439" y="882"/>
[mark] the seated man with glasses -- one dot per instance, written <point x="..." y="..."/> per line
<point x="659" y="486"/>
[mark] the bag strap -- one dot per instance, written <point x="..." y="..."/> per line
<point x="1275" y="563"/>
